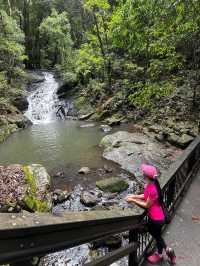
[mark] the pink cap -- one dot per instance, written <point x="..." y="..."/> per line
<point x="149" y="170"/>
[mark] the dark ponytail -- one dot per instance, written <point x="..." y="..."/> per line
<point x="159" y="190"/>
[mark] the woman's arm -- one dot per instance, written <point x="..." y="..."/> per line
<point x="140" y="196"/>
<point x="141" y="203"/>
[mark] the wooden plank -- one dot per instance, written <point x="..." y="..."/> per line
<point x="113" y="256"/>
<point x="34" y="221"/>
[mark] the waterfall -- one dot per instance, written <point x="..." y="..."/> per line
<point x="43" y="102"/>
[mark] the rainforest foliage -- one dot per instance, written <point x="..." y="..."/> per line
<point x="134" y="50"/>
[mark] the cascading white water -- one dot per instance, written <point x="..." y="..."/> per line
<point x="43" y="102"/>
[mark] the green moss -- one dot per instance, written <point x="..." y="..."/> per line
<point x="36" y="205"/>
<point x="29" y="177"/>
<point x="31" y="201"/>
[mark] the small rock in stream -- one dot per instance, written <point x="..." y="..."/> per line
<point x="105" y="128"/>
<point x="60" y="196"/>
<point x="88" y="199"/>
<point x="87" y="125"/>
<point x="84" y="170"/>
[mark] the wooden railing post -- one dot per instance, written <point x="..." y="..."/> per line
<point x="133" y="237"/>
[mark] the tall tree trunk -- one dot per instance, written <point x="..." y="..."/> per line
<point x="10" y="8"/>
<point x="26" y="27"/>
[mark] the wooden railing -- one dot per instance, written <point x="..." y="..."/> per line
<point x="24" y="236"/>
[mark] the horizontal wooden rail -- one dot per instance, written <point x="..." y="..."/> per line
<point x="20" y="240"/>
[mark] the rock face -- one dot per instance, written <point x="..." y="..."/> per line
<point x="112" y="184"/>
<point x="180" y="141"/>
<point x="25" y="187"/>
<point x="131" y="149"/>
<point x="11" y="123"/>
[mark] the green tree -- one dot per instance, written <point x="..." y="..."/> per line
<point x="57" y="42"/>
<point x="12" y="52"/>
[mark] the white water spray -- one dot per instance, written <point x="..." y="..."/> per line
<point x="43" y="102"/>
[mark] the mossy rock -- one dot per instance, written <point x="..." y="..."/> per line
<point x="112" y="184"/>
<point x="37" y="198"/>
<point x="181" y="141"/>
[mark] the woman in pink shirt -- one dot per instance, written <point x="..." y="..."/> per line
<point x="152" y="200"/>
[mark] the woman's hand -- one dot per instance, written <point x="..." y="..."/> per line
<point x="130" y="198"/>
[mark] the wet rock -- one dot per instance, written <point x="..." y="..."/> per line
<point x="21" y="103"/>
<point x="60" y="174"/>
<point x="85" y="117"/>
<point x="105" y="128"/>
<point x="35" y="77"/>
<point x="84" y="170"/>
<point x="60" y="196"/>
<point x="88" y="199"/>
<point x="112" y="184"/>
<point x="180" y="141"/>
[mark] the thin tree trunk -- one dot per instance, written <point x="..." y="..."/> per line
<point x="10" y="8"/>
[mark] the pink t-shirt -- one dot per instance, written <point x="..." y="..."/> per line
<point x="155" y="212"/>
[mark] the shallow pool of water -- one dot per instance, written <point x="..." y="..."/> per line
<point x="59" y="146"/>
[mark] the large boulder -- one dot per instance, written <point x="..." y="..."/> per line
<point x="129" y="150"/>
<point x="27" y="187"/>
<point x="112" y="184"/>
<point x="21" y="102"/>
<point x="19" y="120"/>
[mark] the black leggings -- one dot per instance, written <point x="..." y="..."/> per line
<point x="155" y="229"/>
